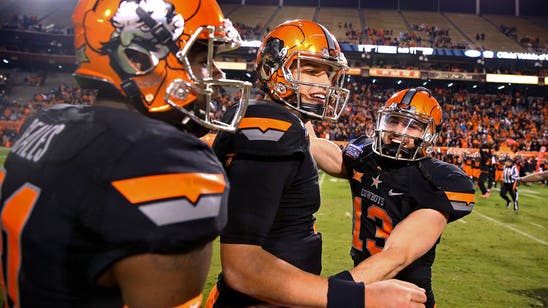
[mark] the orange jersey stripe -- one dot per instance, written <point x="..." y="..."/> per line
<point x="14" y="218"/>
<point x="154" y="187"/>
<point x="264" y="124"/>
<point x="195" y="302"/>
<point x="212" y="298"/>
<point x="460" y="197"/>
<point x="2" y="175"/>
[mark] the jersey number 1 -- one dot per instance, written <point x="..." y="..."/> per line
<point x="17" y="209"/>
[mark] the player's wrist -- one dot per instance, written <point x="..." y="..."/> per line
<point x="344" y="275"/>
<point x="344" y="292"/>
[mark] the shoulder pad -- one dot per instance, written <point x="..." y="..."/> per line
<point x="457" y="186"/>
<point x="267" y="129"/>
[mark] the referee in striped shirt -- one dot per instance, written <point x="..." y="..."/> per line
<point x="509" y="176"/>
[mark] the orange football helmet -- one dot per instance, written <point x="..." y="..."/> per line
<point x="140" y="48"/>
<point x="284" y="48"/>
<point x="407" y="125"/>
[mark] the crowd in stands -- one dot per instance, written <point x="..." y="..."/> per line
<point x="513" y="121"/>
<point x="13" y="112"/>
<point x="437" y="37"/>
<point x="509" y="31"/>
<point x="506" y="121"/>
<point x="248" y="32"/>
<point x="33" y="23"/>
<point x="531" y="42"/>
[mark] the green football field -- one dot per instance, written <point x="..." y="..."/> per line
<point x="491" y="258"/>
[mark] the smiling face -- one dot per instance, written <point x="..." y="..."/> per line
<point x="313" y="81"/>
<point x="300" y="65"/>
<point x="408" y="125"/>
<point x="401" y="130"/>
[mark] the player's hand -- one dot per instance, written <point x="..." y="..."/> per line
<point x="394" y="293"/>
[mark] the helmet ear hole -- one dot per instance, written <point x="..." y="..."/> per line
<point x="281" y="89"/>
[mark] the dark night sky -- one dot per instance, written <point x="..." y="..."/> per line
<point x="502" y="7"/>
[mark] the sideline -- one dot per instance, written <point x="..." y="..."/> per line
<point x="511" y="228"/>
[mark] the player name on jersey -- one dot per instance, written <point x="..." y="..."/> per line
<point x="36" y="140"/>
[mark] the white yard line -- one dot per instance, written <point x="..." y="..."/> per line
<point x="537" y="225"/>
<point x="536" y="239"/>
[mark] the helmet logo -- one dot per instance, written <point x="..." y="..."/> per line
<point x="134" y="45"/>
<point x="272" y="54"/>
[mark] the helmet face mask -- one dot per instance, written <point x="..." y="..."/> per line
<point x="145" y="48"/>
<point x="408" y="125"/>
<point x="285" y="59"/>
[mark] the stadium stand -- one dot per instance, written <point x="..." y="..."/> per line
<point x="434" y="20"/>
<point x="340" y="20"/>
<point x="254" y="16"/>
<point x="385" y="20"/>
<point x="493" y="39"/>
<point x="510" y="117"/>
<point x="524" y="30"/>
<point x="291" y="12"/>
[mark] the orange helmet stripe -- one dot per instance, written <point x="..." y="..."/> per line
<point x="154" y="187"/>
<point x="264" y="124"/>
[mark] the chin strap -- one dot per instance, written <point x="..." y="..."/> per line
<point x="312" y="108"/>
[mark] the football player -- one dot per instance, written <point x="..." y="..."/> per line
<point x="402" y="198"/>
<point x="270" y="250"/>
<point x="117" y="203"/>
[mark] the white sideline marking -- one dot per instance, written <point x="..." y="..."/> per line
<point x="322" y="177"/>
<point x="530" y="193"/>
<point x="462" y="221"/>
<point x="512" y="228"/>
<point x="537" y="225"/>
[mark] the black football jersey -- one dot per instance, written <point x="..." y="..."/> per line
<point x="385" y="191"/>
<point x="274" y="189"/>
<point x="86" y="186"/>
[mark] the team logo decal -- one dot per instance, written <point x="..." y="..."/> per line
<point x="272" y="57"/>
<point x="357" y="176"/>
<point x="376" y="181"/>
<point x="135" y="46"/>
